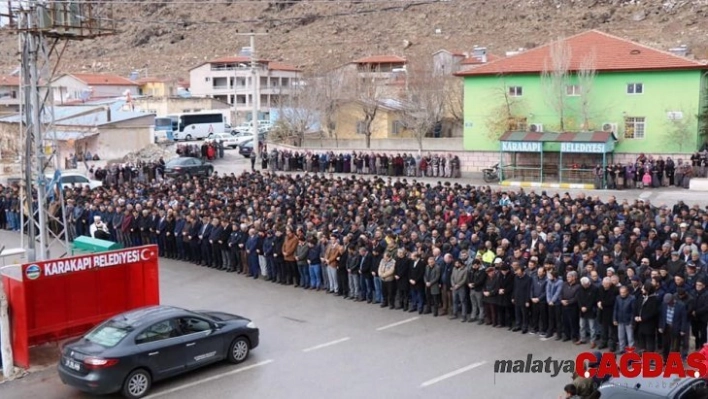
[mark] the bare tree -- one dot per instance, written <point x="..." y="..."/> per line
<point x="424" y="105"/>
<point x="328" y="87"/>
<point x="298" y="113"/>
<point x="368" y="95"/>
<point x="507" y="116"/>
<point x="586" y="79"/>
<point x="454" y="98"/>
<point x="555" y="79"/>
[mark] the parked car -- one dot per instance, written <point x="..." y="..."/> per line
<point x="188" y="166"/>
<point x="228" y="140"/>
<point x="128" y="352"/>
<point x="653" y="388"/>
<point x="248" y="136"/>
<point x="76" y="179"/>
<point x="247" y="127"/>
<point x="246" y="149"/>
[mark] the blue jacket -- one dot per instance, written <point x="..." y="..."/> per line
<point x="553" y="291"/>
<point x="680" y="319"/>
<point x="624" y="309"/>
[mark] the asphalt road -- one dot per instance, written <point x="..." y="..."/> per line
<point x="319" y="346"/>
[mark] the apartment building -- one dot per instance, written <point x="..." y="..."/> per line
<point x="229" y="79"/>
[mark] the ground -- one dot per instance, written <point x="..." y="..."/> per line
<point x="166" y="38"/>
<point x="316" y="345"/>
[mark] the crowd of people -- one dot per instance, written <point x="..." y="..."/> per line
<point x="606" y="275"/>
<point x="371" y="163"/>
<point x="650" y="172"/>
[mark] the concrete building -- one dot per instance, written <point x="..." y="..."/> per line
<point x="9" y="94"/>
<point x="80" y="87"/>
<point x="102" y="128"/>
<point x="229" y="79"/>
<point x="157" y="87"/>
<point x="162" y="106"/>
<point x="388" y="122"/>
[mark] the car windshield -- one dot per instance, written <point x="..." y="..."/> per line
<point x="177" y="161"/>
<point x="108" y="334"/>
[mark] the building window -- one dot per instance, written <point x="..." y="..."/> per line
<point x="634" y="127"/>
<point x="572" y="90"/>
<point x="635" y="88"/>
<point x="397" y="127"/>
<point x="206" y="79"/>
<point x="515" y="91"/>
<point x="361" y="127"/>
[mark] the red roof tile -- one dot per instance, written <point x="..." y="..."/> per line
<point x="151" y="79"/>
<point x="280" y="66"/>
<point x="472" y="60"/>
<point x="380" y="59"/>
<point x="9" y="80"/>
<point x="611" y="53"/>
<point x="92" y="79"/>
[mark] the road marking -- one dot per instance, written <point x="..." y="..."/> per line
<point x="451" y="374"/>
<point x="314" y="348"/>
<point x="386" y="327"/>
<point x="208" y="379"/>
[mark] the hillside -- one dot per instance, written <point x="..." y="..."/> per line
<point x="170" y="36"/>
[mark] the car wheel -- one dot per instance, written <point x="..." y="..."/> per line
<point x="239" y="350"/>
<point x="137" y="384"/>
<point x="188" y="137"/>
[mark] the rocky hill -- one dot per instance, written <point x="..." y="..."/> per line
<point x="170" y="36"/>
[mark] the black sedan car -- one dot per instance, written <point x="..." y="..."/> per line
<point x="128" y="352"/>
<point x="188" y="166"/>
<point x="246" y="149"/>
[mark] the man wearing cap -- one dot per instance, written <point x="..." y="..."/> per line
<point x="491" y="296"/>
<point x="587" y="302"/>
<point x="675" y="265"/>
<point x="700" y="314"/>
<point x="673" y="326"/>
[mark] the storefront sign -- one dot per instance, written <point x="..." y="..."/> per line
<point x="521" y="146"/>
<point x="589" y="148"/>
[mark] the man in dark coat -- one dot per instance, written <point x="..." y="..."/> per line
<point x="402" y="276"/>
<point x="521" y="298"/>
<point x="605" y="306"/>
<point x="587" y="302"/>
<point x="673" y="326"/>
<point x="416" y="280"/>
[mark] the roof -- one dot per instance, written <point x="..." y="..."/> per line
<point x="472" y="60"/>
<point x="9" y="80"/>
<point x="455" y="53"/>
<point x="93" y="79"/>
<point x="380" y="59"/>
<point x="151" y="79"/>
<point x="86" y="115"/>
<point x="148" y="314"/>
<point x="566" y="137"/>
<point x="271" y="65"/>
<point x="611" y="53"/>
<point x="61" y="135"/>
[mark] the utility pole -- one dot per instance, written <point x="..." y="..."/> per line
<point x="255" y="100"/>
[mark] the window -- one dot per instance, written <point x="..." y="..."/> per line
<point x="572" y="90"/>
<point x="108" y="334"/>
<point x="515" y="91"/>
<point x="634" y="127"/>
<point x="192" y="325"/>
<point x="361" y="127"/>
<point x="635" y="88"/>
<point x="207" y="79"/>
<point x="397" y="127"/>
<point x="157" y="332"/>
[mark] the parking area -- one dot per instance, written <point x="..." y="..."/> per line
<point x="317" y="345"/>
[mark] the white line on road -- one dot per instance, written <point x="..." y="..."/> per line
<point x="314" y="348"/>
<point x="386" y="327"/>
<point x="451" y="374"/>
<point x="208" y="379"/>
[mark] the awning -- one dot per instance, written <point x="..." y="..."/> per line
<point x="571" y="142"/>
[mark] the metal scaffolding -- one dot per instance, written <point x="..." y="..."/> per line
<point x="45" y="28"/>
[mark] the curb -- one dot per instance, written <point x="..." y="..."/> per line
<point x="525" y="184"/>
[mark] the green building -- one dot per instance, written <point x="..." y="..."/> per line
<point x="593" y="82"/>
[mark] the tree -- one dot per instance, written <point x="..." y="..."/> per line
<point x="702" y="117"/>
<point x="328" y="88"/>
<point x="454" y="98"/>
<point x="367" y="94"/>
<point x="424" y="105"/>
<point x="507" y="116"/>
<point x="586" y="78"/>
<point x="297" y="113"/>
<point x="555" y="79"/>
<point x="680" y="131"/>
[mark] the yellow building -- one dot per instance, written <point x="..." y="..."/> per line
<point x="157" y="87"/>
<point x="388" y="123"/>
